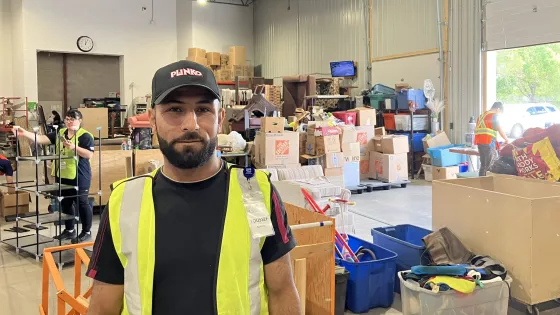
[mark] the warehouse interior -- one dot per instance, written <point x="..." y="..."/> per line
<point x="414" y="147"/>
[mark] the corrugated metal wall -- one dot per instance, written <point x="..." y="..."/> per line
<point x="465" y="70"/>
<point x="303" y="36"/>
<point x="403" y="26"/>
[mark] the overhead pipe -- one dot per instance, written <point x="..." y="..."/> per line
<point x="441" y="60"/>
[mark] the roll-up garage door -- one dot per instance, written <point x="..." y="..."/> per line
<point x="518" y="23"/>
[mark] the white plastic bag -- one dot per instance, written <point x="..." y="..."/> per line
<point x="233" y="140"/>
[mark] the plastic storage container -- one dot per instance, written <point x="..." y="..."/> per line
<point x="370" y="284"/>
<point x="389" y="122"/>
<point x="419" y="122"/>
<point x="341" y="282"/>
<point x="493" y="299"/>
<point x="348" y="118"/>
<point x="378" y="101"/>
<point x="442" y="157"/>
<point x="406" y="241"/>
<point x="416" y="96"/>
<point x="383" y="89"/>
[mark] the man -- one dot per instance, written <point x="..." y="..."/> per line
<point x="191" y="237"/>
<point x="486" y="134"/>
<point x="71" y="173"/>
<point x="7" y="169"/>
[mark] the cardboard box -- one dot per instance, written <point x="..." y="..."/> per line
<point x="439" y="173"/>
<point x="348" y="117"/>
<point x="438" y="140"/>
<point x="327" y="144"/>
<point x="198" y="59"/>
<point x="364" y="166"/>
<point x="351" y="152"/>
<point x="197" y="52"/>
<point x="277" y="148"/>
<point x="214" y="59"/>
<point x="224" y="60"/>
<point x="237" y="55"/>
<point x="224" y="75"/>
<point x="394" y="144"/>
<point x="311" y="145"/>
<point x="247" y="70"/>
<point x="364" y="136"/>
<point x="314" y="127"/>
<point x="388" y="168"/>
<point x="273" y="124"/>
<point x="377" y="144"/>
<point x="302" y="143"/>
<point x="512" y="219"/>
<point x="8" y="203"/>
<point x="365" y="116"/>
<point x="236" y="70"/>
<point x="351" y="174"/>
<point x="333" y="171"/>
<point x="348" y="135"/>
<point x="333" y="160"/>
<point x="379" y="131"/>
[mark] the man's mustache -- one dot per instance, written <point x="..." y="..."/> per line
<point x="189" y="136"/>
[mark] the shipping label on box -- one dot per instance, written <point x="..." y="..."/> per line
<point x="394" y="144"/>
<point x="273" y="124"/>
<point x="365" y="116"/>
<point x="351" y="152"/>
<point x="388" y="167"/>
<point x="440" y="173"/>
<point x="333" y="160"/>
<point x="327" y="144"/>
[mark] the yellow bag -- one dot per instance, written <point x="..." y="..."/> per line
<point x="537" y="160"/>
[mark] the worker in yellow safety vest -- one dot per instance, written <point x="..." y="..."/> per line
<point x="196" y="236"/>
<point x="76" y="146"/>
<point x="486" y="136"/>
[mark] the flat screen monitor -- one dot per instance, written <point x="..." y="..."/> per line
<point x="343" y="69"/>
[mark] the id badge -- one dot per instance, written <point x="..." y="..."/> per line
<point x="255" y="206"/>
<point x="62" y="165"/>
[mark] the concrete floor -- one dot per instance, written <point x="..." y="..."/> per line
<point x="20" y="276"/>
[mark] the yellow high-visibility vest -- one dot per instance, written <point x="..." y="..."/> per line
<point x="69" y="166"/>
<point x="482" y="129"/>
<point x="240" y="286"/>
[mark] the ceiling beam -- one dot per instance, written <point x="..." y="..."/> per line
<point x="243" y="3"/>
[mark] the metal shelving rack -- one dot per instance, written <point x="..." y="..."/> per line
<point x="35" y="244"/>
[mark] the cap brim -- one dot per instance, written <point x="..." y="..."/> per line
<point x="163" y="95"/>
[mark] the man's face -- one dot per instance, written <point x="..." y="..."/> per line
<point x="187" y="125"/>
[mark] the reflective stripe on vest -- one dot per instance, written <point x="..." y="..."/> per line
<point x="482" y="129"/>
<point x="70" y="165"/>
<point x="240" y="285"/>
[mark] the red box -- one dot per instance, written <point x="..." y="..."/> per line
<point x="389" y="120"/>
<point x="348" y="118"/>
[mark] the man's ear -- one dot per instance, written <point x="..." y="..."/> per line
<point x="152" y="119"/>
<point x="221" y="118"/>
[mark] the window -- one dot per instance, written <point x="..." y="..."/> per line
<point x="551" y="109"/>
<point x="539" y="110"/>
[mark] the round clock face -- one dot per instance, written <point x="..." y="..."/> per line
<point x="85" y="43"/>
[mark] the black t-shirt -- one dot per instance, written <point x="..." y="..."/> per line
<point x="189" y="218"/>
<point x="85" y="141"/>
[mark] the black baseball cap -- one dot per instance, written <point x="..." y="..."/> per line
<point x="181" y="74"/>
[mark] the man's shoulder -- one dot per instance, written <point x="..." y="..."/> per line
<point x="119" y="185"/>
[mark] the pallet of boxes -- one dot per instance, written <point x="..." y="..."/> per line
<point x="234" y="64"/>
<point x="275" y="147"/>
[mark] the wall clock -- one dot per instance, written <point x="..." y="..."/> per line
<point x="85" y="43"/>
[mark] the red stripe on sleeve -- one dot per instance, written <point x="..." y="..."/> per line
<point x="92" y="271"/>
<point x="280" y="218"/>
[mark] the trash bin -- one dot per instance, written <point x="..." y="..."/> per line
<point x="341" y="280"/>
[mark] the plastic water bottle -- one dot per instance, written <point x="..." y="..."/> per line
<point x="123" y="145"/>
<point x="129" y="144"/>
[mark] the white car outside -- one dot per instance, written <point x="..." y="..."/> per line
<point x="517" y="118"/>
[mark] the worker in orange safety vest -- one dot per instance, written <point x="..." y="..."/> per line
<point x="486" y="134"/>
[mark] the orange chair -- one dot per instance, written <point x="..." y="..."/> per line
<point x="139" y="121"/>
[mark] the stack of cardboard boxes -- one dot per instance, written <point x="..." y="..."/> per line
<point x="389" y="160"/>
<point x="273" y="94"/>
<point x="432" y="172"/>
<point x="8" y="203"/>
<point x="274" y="147"/>
<point x="323" y="148"/>
<point x="225" y="66"/>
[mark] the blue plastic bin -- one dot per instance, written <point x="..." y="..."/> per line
<point x="406" y="241"/>
<point x="416" y="96"/>
<point x="441" y="156"/>
<point x="371" y="284"/>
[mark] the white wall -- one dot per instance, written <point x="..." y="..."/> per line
<point x="120" y="28"/>
<point x="6" y="48"/>
<point x="216" y="27"/>
<point x="411" y="70"/>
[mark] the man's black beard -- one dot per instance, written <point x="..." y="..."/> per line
<point x="188" y="158"/>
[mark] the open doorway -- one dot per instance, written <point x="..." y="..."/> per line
<point x="527" y="81"/>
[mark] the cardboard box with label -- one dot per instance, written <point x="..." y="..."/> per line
<point x="365" y="116"/>
<point x="333" y="160"/>
<point x="439" y="173"/>
<point x="8" y="203"/>
<point x="388" y="168"/>
<point x="237" y="55"/>
<point x="327" y="144"/>
<point x="311" y="145"/>
<point x="197" y="52"/>
<point x="277" y="148"/>
<point x="364" y="166"/>
<point x="273" y="124"/>
<point x="393" y="144"/>
<point x="214" y="58"/>
<point x="364" y="136"/>
<point x="351" y="152"/>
